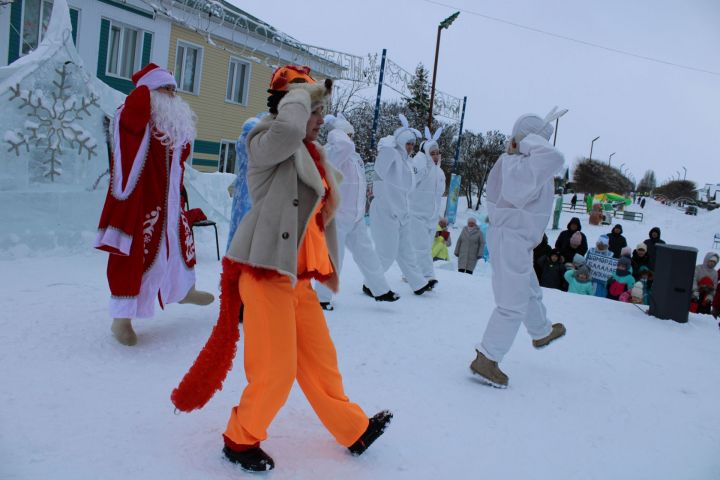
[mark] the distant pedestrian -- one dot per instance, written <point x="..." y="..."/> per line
<point x="469" y="247"/>
<point x="573" y="201"/>
<point x="642" y="203"/>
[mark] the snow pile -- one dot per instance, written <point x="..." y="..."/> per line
<point x="623" y="396"/>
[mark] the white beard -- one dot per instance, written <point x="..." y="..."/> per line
<point x="173" y="119"/>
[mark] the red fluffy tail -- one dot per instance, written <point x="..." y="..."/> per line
<point x="212" y="365"/>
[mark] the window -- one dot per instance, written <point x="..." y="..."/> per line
<point x="36" y="17"/>
<point x="238" y="80"/>
<point x="124" y="47"/>
<point x="188" y="60"/>
<point x="227" y="157"/>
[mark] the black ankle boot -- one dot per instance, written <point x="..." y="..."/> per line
<point x="367" y="291"/>
<point x="389" y="296"/>
<point x="428" y="286"/>
<point x="252" y="460"/>
<point x="375" y="428"/>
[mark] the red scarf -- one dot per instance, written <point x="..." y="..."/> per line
<point x="312" y="149"/>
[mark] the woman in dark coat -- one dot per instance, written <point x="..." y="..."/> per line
<point x="617" y="241"/>
<point x="562" y="243"/>
<point x="651" y="243"/>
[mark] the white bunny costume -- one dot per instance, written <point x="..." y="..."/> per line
<point x="350" y="217"/>
<point x="426" y="202"/>
<point x="390" y="209"/>
<point x="520" y="197"/>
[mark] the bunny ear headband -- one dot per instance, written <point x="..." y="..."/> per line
<point x="406" y="126"/>
<point x="431" y="140"/>
<point x="329" y="120"/>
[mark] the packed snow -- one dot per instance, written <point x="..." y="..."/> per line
<point x="622" y="396"/>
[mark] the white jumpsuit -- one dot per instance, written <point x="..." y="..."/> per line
<point x="350" y="217"/>
<point x="425" y="205"/>
<point x="390" y="211"/>
<point x="520" y="196"/>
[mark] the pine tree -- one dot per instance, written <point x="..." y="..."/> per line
<point x="418" y="104"/>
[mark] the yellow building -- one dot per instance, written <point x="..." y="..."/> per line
<point x="225" y="81"/>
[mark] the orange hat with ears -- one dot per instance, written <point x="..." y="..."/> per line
<point x="282" y="77"/>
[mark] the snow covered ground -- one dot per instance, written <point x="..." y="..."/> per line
<point x="623" y="396"/>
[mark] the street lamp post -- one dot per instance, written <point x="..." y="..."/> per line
<point x="621" y="165"/>
<point x="684" y="173"/>
<point x="557" y="120"/>
<point x="591" y="146"/>
<point x="444" y="24"/>
<point x="610" y="158"/>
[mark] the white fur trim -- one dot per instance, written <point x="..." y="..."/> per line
<point x="138" y="164"/>
<point x="114" y="238"/>
<point x="156" y="78"/>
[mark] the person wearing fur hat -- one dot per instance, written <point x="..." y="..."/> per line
<point x="616" y="240"/>
<point x="390" y="209"/>
<point x="426" y="201"/>
<point x="469" y="246"/>
<point x="143" y="224"/>
<point x="286" y="239"/>
<point x="572" y="240"/>
<point x="352" y="231"/>
<point x="621" y="280"/>
<point x="578" y="280"/>
<point x="705" y="282"/>
<point x="519" y="198"/>
<point x="651" y="242"/>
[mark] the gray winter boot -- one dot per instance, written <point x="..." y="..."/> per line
<point x="198" y="297"/>
<point x="489" y="371"/>
<point x="558" y="330"/>
<point x="123" y="331"/>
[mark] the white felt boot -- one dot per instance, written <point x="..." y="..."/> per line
<point x="198" y="297"/>
<point x="123" y="331"/>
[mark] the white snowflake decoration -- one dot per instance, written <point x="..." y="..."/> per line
<point x="53" y="124"/>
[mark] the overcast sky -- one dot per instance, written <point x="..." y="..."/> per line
<point x="653" y="115"/>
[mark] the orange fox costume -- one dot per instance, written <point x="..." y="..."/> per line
<point x="294" y="194"/>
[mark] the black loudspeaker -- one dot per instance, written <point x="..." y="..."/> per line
<point x="672" y="284"/>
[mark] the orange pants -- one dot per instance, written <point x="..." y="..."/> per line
<point x="286" y="338"/>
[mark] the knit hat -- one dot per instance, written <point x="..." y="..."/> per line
<point x="153" y="77"/>
<point x="625" y="262"/>
<point x="626" y="252"/>
<point x="576" y="239"/>
<point x="582" y="270"/>
<point x="637" y="291"/>
<point x="603" y="240"/>
<point x="292" y="77"/>
<point x="641" y="246"/>
<point x="578" y="259"/>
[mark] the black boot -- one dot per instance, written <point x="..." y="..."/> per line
<point x="367" y="291"/>
<point x="389" y="296"/>
<point x="375" y="428"/>
<point x="252" y="460"/>
<point x="327" y="306"/>
<point x="432" y="283"/>
<point x="428" y="286"/>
